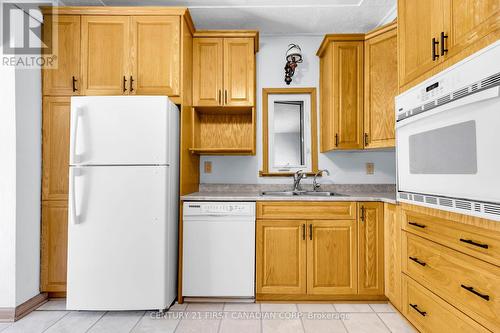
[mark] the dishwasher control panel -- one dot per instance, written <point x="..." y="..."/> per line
<point x="219" y="208"/>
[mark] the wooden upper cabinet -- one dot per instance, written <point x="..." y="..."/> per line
<point x="63" y="31"/>
<point x="54" y="244"/>
<point x="381" y="87"/>
<point x="155" y="53"/>
<point x="239" y="72"/>
<point x="467" y="21"/>
<point x="371" y="248"/>
<point x="348" y="94"/>
<point x="331" y="257"/>
<point x="327" y="128"/>
<point x="392" y="254"/>
<point x="105" y="55"/>
<point x="55" y="147"/>
<point x="281" y="257"/>
<point x="419" y="22"/>
<point x="207" y="71"/>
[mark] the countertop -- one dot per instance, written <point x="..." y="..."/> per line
<point x="389" y="197"/>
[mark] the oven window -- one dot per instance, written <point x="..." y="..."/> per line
<point x="446" y="150"/>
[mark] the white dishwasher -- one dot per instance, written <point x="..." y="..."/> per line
<point x="218" y="257"/>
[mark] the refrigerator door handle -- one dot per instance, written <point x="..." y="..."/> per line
<point x="73" y="195"/>
<point x="74" y="129"/>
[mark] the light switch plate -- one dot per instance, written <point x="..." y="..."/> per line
<point x="207" y="166"/>
<point x="370" y="168"/>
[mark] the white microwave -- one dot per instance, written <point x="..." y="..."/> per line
<point x="448" y="138"/>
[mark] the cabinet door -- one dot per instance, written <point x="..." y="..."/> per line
<point x="55" y="148"/>
<point x="281" y="257"/>
<point x="207" y="71"/>
<point x="371" y="248"/>
<point x="392" y="254"/>
<point x="381" y="86"/>
<point x="54" y="244"/>
<point x="239" y="71"/>
<point x="348" y="94"/>
<point x="331" y="257"/>
<point x="418" y="22"/>
<point x="467" y="21"/>
<point x="63" y="31"/>
<point x="155" y="55"/>
<point x="105" y="55"/>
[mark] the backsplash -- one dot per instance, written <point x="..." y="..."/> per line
<point x="340" y="188"/>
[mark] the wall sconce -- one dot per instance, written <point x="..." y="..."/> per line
<point x="293" y="57"/>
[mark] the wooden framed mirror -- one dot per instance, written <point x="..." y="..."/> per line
<point x="289" y="131"/>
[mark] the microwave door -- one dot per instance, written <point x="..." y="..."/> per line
<point x="452" y="150"/>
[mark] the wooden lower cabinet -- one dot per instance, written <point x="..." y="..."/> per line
<point x="316" y="255"/>
<point x="392" y="254"/>
<point x="281" y="257"/>
<point x="54" y="246"/>
<point x="331" y="257"/>
<point x="371" y="248"/>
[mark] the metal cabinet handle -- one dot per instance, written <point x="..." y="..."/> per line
<point x="415" y="224"/>
<point x="415" y="307"/>
<point x="366" y="139"/>
<point x="304" y="231"/>
<point x="124" y="84"/>
<point x="220" y="94"/>
<point x="74" y="80"/>
<point x="362" y="217"/>
<point x="421" y="263"/>
<point x="475" y="292"/>
<point x="444" y="37"/>
<point x="336" y="140"/>
<point x="310" y="231"/>
<point x="225" y="97"/>
<point x="471" y="242"/>
<point x="434" y="53"/>
<point x="131" y="83"/>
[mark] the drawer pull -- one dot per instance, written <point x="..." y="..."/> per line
<point x="415" y="307"/>
<point x="470" y="241"/>
<point x="471" y="289"/>
<point x="417" y="224"/>
<point x="421" y="263"/>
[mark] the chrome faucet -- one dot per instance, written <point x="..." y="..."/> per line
<point x="315" y="182"/>
<point x="297" y="177"/>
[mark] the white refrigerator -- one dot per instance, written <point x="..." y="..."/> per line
<point x="123" y="203"/>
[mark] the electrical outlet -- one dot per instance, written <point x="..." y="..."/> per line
<point x="370" y="168"/>
<point x="207" y="166"/>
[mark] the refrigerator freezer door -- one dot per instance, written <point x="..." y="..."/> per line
<point x="120" y="130"/>
<point x="117" y="238"/>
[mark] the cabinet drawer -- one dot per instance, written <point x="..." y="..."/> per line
<point x="430" y="313"/>
<point x="306" y="210"/>
<point x="478" y="242"/>
<point x="471" y="285"/>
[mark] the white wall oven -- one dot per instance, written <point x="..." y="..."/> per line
<point x="448" y="138"/>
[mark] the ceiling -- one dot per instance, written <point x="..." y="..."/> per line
<point x="274" y="17"/>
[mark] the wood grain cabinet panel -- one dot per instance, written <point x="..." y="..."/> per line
<point x="381" y="87"/>
<point x="105" y="55"/>
<point x="55" y="147"/>
<point x="471" y="285"/>
<point x="239" y="72"/>
<point x="208" y="71"/>
<point x="155" y="55"/>
<point x="331" y="257"/>
<point x="371" y="248"/>
<point x="54" y="244"/>
<point x="392" y="254"/>
<point x="281" y="257"/>
<point x="429" y="313"/>
<point x="419" y="22"/>
<point x="63" y="32"/>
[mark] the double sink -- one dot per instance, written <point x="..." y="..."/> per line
<point x="302" y="193"/>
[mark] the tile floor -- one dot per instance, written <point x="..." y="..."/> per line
<point x="218" y="318"/>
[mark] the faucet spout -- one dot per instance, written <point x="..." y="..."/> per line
<point x="315" y="181"/>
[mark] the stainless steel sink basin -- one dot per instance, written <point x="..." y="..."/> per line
<point x="299" y="193"/>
